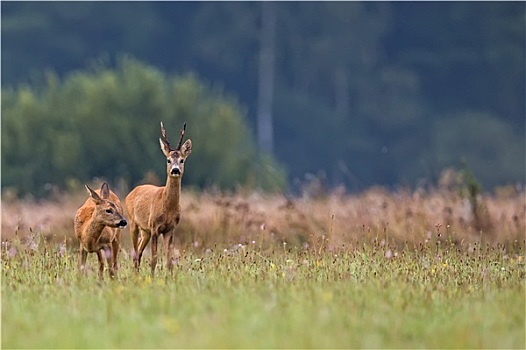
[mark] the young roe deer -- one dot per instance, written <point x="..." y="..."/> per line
<point x="97" y="224"/>
<point x="155" y="210"/>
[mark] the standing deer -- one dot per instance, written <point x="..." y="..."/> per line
<point x="97" y="224"/>
<point x="155" y="210"/>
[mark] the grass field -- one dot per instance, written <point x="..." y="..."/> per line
<point x="376" y="270"/>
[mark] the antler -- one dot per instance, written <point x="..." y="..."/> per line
<point x="165" y="139"/>
<point x="181" y="139"/>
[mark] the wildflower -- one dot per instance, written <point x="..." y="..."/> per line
<point x="253" y="242"/>
<point x="326" y="297"/>
<point x="12" y="252"/>
<point x="170" y="324"/>
<point x="444" y="264"/>
<point x="146" y="281"/>
<point x="33" y="245"/>
<point x="62" y="250"/>
<point x="119" y="289"/>
<point x="388" y="254"/>
<point x="425" y="262"/>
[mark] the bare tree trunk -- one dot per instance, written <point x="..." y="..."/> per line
<point x="266" y="77"/>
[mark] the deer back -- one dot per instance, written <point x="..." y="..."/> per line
<point x="144" y="204"/>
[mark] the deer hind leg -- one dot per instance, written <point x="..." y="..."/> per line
<point x="154" y="253"/>
<point x="145" y="238"/>
<point x="82" y="260"/>
<point x="134" y="233"/>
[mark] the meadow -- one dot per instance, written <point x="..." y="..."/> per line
<point x="380" y="269"/>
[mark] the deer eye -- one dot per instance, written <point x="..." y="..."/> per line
<point x="181" y="161"/>
<point x="168" y="161"/>
<point x="109" y="211"/>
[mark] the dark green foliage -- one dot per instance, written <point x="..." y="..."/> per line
<point x="104" y="122"/>
<point x="368" y="92"/>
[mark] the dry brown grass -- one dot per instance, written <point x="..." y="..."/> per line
<point x="222" y="221"/>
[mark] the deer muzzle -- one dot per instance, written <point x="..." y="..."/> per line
<point x="175" y="171"/>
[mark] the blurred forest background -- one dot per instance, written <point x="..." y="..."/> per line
<point x="274" y="94"/>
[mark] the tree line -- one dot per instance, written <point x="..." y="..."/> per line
<point x="359" y="93"/>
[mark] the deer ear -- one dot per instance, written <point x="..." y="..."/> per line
<point x="94" y="196"/>
<point x="186" y="148"/>
<point x="164" y="147"/>
<point x="105" y="191"/>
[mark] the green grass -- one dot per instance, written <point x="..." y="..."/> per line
<point x="368" y="296"/>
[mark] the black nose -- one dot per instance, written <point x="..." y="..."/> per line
<point x="176" y="171"/>
<point x="123" y="223"/>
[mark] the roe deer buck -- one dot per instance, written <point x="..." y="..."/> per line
<point x="155" y="210"/>
<point x="96" y="226"/>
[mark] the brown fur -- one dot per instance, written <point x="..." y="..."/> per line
<point x="155" y="210"/>
<point x="97" y="230"/>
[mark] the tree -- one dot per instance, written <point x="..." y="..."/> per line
<point x="104" y="122"/>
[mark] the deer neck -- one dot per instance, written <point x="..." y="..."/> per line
<point x="172" y="193"/>
<point x="93" y="231"/>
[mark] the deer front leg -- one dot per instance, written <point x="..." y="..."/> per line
<point x="101" y="263"/>
<point x="169" y="251"/>
<point x="115" y="246"/>
<point x="108" y="254"/>
<point x="154" y="253"/>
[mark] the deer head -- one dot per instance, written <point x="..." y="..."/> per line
<point x="105" y="211"/>
<point x="175" y="157"/>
